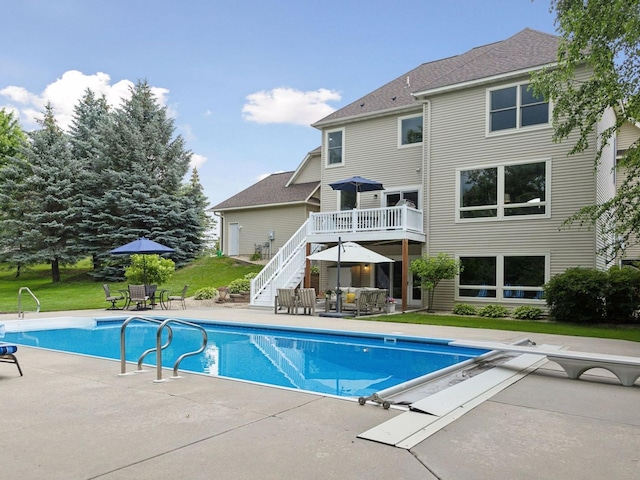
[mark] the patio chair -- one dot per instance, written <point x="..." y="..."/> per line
<point x="286" y="298"/>
<point x="307" y="300"/>
<point x="138" y="295"/>
<point x="7" y="355"/>
<point x="114" y="298"/>
<point x="177" y="298"/>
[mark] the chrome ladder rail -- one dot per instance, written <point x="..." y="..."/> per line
<point x="20" y="312"/>
<point x="123" y="360"/>
<point x="181" y="357"/>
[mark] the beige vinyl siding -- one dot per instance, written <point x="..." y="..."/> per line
<point x="371" y="151"/>
<point x="605" y="190"/>
<point x="627" y="135"/>
<point x="256" y="224"/>
<point x="310" y="171"/>
<point x="459" y="140"/>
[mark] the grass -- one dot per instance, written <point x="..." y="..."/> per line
<point x="78" y="291"/>
<point x="631" y="333"/>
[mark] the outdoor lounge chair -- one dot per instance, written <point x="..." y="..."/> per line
<point x="7" y="355"/>
<point x="114" y="298"/>
<point x="307" y="300"/>
<point x="138" y="295"/>
<point x="286" y="298"/>
<point x="177" y="298"/>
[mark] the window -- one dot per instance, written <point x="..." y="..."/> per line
<point x="348" y="200"/>
<point x="503" y="277"/>
<point x="409" y="197"/>
<point x="516" y="107"/>
<point x="335" y="154"/>
<point x="410" y="130"/>
<point x="504" y="191"/>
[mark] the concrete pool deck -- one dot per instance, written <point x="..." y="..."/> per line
<point x="71" y="417"/>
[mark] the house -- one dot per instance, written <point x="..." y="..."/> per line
<point x="465" y="152"/>
<point x="261" y="218"/>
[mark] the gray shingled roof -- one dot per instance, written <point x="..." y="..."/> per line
<point x="527" y="49"/>
<point x="271" y="190"/>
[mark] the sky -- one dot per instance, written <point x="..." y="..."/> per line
<point x="243" y="80"/>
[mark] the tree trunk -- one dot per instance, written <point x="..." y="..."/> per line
<point x="55" y="271"/>
<point x="18" y="271"/>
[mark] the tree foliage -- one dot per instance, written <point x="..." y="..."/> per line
<point x="12" y="137"/>
<point x="149" y="269"/>
<point x="598" y="69"/>
<point x="432" y="270"/>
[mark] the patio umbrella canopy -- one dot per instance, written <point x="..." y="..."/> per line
<point x="357" y="184"/>
<point x="350" y="252"/>
<point x="141" y="246"/>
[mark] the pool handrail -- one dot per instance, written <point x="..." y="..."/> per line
<point x="164" y="324"/>
<point x="20" y="312"/>
<point x="123" y="360"/>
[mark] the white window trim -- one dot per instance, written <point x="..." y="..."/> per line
<point x="326" y="148"/>
<point x="500" y="205"/>
<point x="517" y="128"/>
<point x="409" y="145"/>
<point x="500" y="275"/>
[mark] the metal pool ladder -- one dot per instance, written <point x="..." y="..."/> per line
<point x="162" y="324"/>
<point x="20" y="312"/>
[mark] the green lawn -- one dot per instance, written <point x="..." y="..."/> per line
<point x="78" y="290"/>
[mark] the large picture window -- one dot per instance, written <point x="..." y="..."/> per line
<point x="335" y="147"/>
<point x="503" y="277"/>
<point x="516" y="107"/>
<point x="410" y="130"/>
<point x="503" y="191"/>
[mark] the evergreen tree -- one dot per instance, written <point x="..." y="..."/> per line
<point x="91" y="117"/>
<point x="197" y="222"/>
<point x="49" y="219"/>
<point x="143" y="167"/>
<point x="12" y="138"/>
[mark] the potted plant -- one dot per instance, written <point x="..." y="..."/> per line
<point x="391" y="305"/>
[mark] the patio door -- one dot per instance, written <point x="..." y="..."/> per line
<point x="389" y="276"/>
<point x="234" y="239"/>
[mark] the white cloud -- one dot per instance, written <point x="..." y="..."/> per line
<point x="287" y="105"/>
<point x="265" y="175"/>
<point x="64" y="93"/>
<point x="197" y="160"/>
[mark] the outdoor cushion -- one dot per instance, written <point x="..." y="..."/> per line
<point x="8" y="349"/>
<point x="351" y="297"/>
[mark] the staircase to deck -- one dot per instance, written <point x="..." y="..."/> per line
<point x="284" y="270"/>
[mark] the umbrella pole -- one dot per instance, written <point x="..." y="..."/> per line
<point x="338" y="291"/>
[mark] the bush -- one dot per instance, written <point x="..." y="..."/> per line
<point x="464" y="309"/>
<point x="243" y="284"/>
<point x="526" y="312"/>
<point x="205" y="293"/>
<point x="622" y="299"/>
<point x="494" y="311"/>
<point x="577" y="295"/>
<point x="149" y="269"/>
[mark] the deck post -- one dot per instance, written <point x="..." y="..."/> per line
<point x="307" y="266"/>
<point x="405" y="272"/>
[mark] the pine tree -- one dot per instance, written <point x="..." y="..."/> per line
<point x="50" y="218"/>
<point x="142" y="174"/>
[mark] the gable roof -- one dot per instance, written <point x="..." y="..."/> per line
<point x="272" y="190"/>
<point x="522" y="52"/>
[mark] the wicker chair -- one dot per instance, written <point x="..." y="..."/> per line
<point x="114" y="298"/>
<point x="178" y="298"/>
<point x="137" y="294"/>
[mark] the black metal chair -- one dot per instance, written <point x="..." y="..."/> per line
<point x="114" y="298"/>
<point x="178" y="298"/>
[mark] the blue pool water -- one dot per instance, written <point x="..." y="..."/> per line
<point x="327" y="362"/>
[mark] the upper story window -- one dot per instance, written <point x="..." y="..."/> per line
<point x="504" y="191"/>
<point x="335" y="147"/>
<point x="516" y="107"/>
<point x="410" y="130"/>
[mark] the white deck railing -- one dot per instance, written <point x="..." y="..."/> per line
<point x="366" y="220"/>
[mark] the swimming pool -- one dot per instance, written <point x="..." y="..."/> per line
<point x="328" y="362"/>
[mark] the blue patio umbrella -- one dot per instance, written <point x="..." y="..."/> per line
<point x="141" y="246"/>
<point x="356" y="184"/>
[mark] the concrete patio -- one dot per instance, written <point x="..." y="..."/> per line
<point x="71" y="417"/>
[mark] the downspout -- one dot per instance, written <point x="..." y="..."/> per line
<point x="426" y="176"/>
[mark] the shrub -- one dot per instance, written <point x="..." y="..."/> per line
<point x="149" y="269"/>
<point x="464" y="309"/>
<point x="622" y="299"/>
<point x="493" y="311"/>
<point x="526" y="312"/>
<point x="577" y="295"/>
<point x="205" y="293"/>
<point x="256" y="256"/>
<point x="243" y="284"/>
